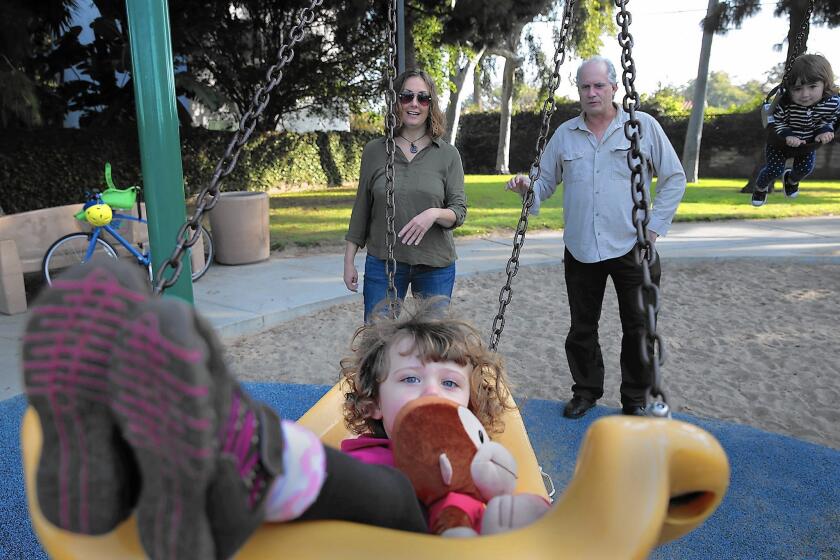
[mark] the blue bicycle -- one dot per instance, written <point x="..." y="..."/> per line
<point x="99" y="212"/>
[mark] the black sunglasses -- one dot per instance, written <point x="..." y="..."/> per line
<point x="423" y="98"/>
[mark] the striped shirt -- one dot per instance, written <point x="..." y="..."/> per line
<point x="790" y="119"/>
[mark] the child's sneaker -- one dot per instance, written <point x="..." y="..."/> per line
<point x="207" y="454"/>
<point x="87" y="478"/>
<point x="759" y="197"/>
<point x="791" y="188"/>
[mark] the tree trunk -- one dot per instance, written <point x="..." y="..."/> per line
<point x="506" y="110"/>
<point x="410" y="55"/>
<point x="694" y="133"/>
<point x="453" y="110"/>
<point x="477" y="86"/>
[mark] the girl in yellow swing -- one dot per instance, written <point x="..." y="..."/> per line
<point x="138" y="412"/>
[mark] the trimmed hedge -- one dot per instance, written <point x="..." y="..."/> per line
<point x="478" y="135"/>
<point x="45" y="168"/>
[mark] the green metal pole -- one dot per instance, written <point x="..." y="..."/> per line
<point x="157" y="126"/>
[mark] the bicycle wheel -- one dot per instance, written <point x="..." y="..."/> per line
<point x="207" y="242"/>
<point x="70" y="250"/>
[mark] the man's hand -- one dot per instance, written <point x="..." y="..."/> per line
<point x="651" y="237"/>
<point x="793" y="141"/>
<point x="518" y="184"/>
<point x="825" y="137"/>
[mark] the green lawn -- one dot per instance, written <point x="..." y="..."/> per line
<point x="320" y="217"/>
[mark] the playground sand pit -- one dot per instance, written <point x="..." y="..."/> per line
<point x="754" y="342"/>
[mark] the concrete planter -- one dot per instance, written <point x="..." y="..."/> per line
<point x="239" y="223"/>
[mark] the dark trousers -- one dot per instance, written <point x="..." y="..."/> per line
<point x="585" y="284"/>
<point x="803" y="165"/>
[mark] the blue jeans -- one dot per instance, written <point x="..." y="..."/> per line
<point x="425" y="281"/>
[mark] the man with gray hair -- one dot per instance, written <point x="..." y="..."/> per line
<point x="588" y="154"/>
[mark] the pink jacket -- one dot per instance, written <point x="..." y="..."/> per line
<point x="370" y="450"/>
<point x="378" y="451"/>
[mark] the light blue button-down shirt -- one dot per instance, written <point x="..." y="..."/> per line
<point x="597" y="202"/>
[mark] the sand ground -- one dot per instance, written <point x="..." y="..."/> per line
<point x="755" y="342"/>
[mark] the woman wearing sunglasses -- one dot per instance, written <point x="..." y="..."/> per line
<point x="428" y="195"/>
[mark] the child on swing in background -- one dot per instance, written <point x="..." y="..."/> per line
<point x="807" y="112"/>
<point x="139" y="412"/>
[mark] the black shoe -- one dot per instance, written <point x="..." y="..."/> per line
<point x="759" y="197"/>
<point x="791" y="188"/>
<point x="633" y="410"/>
<point x="577" y="407"/>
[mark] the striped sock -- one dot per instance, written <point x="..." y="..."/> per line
<point x="304" y="472"/>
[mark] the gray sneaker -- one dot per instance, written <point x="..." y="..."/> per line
<point x="87" y="479"/>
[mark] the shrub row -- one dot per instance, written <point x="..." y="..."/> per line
<point x="44" y="168"/>
<point x="478" y="136"/>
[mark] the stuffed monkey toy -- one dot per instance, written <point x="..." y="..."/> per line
<point x="456" y="469"/>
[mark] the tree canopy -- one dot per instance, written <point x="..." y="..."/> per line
<point x="222" y="50"/>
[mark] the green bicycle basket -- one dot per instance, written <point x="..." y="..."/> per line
<point x="124" y="199"/>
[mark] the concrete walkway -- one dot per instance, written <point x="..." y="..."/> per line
<point x="247" y="299"/>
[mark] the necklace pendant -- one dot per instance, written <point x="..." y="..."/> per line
<point x="413" y="148"/>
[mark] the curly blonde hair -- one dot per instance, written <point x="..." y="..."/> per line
<point x="438" y="336"/>
<point x="436" y="121"/>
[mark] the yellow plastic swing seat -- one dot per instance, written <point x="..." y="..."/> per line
<point x="638" y="482"/>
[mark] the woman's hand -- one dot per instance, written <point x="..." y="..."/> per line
<point x="793" y="141"/>
<point x="351" y="277"/>
<point x="414" y="230"/>
<point x="825" y="137"/>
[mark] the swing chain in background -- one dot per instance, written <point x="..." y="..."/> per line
<point x="652" y="346"/>
<point x="209" y="194"/>
<point x="798" y="50"/>
<point x="798" y="46"/>
<point x="390" y="149"/>
<point x="506" y="293"/>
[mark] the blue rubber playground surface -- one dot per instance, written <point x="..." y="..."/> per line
<point x="783" y="501"/>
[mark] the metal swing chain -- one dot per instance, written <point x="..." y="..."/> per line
<point x="798" y="47"/>
<point x="390" y="149"/>
<point x="652" y="346"/>
<point x="506" y="293"/>
<point x="209" y="194"/>
<point x="798" y="50"/>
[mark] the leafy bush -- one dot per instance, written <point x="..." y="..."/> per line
<point x="51" y="167"/>
<point x="478" y="135"/>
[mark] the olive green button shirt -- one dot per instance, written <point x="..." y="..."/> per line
<point x="433" y="179"/>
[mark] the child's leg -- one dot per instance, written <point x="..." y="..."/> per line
<point x="87" y="479"/>
<point x="215" y="464"/>
<point x="207" y="453"/>
<point x="803" y="165"/>
<point x="773" y="168"/>
<point x="370" y="494"/>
